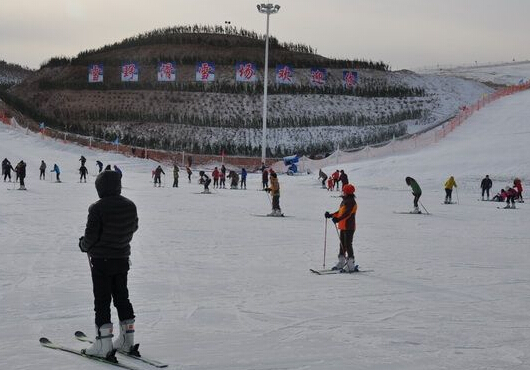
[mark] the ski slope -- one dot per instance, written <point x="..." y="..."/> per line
<point x="214" y="287"/>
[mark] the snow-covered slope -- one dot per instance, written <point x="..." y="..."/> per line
<point x="217" y="288"/>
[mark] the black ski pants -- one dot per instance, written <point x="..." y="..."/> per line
<point x="487" y="191"/>
<point x="109" y="280"/>
<point x="346" y="243"/>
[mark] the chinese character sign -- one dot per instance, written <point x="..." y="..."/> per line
<point x="205" y="72"/>
<point x="129" y="72"/>
<point x="318" y="77"/>
<point x="246" y="72"/>
<point x="95" y="73"/>
<point x="284" y="74"/>
<point x="349" y="79"/>
<point x="167" y="71"/>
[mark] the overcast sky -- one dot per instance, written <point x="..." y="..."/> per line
<point x="403" y="33"/>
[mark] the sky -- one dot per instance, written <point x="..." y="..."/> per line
<point x="406" y="34"/>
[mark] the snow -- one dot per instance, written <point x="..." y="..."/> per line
<point x="215" y="288"/>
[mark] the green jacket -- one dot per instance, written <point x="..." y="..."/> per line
<point x="416" y="190"/>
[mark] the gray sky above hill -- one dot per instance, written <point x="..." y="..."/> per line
<point x="403" y="33"/>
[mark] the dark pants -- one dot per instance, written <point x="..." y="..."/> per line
<point x="448" y="194"/>
<point x="83" y="176"/>
<point x="109" y="280"/>
<point x="22" y="181"/>
<point x="346" y="243"/>
<point x="157" y="180"/>
<point x="324" y="181"/>
<point x="207" y="184"/>
<point x="276" y="202"/>
<point x="42" y="174"/>
<point x="176" y="182"/>
<point x="416" y="199"/>
<point x="215" y="182"/>
<point x="243" y="183"/>
<point x="487" y="191"/>
<point x="265" y="184"/>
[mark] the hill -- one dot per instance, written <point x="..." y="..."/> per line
<point x="226" y="115"/>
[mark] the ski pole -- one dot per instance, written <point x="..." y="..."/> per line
<point x="340" y="240"/>
<point x="422" y="206"/>
<point x="325" y="242"/>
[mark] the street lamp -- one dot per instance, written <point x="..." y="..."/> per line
<point x="266" y="9"/>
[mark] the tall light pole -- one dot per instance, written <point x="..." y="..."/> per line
<point x="266" y="9"/>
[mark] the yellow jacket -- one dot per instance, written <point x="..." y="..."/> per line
<point x="450" y="183"/>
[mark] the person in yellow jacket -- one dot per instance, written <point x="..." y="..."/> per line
<point x="274" y="189"/>
<point x="449" y="184"/>
<point x="345" y="218"/>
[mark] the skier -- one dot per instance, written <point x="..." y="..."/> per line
<point x="345" y="218"/>
<point x="511" y="195"/>
<point x="83" y="172"/>
<point x="323" y="176"/>
<point x="519" y="187"/>
<point x="243" y="178"/>
<point x="343" y="178"/>
<point x="157" y="173"/>
<point x="336" y="177"/>
<point x="42" y="169"/>
<point x="21" y="172"/>
<point x="222" y="178"/>
<point x="175" y="176"/>
<point x="215" y="176"/>
<point x="117" y="169"/>
<point x="331" y="183"/>
<point x="6" y="169"/>
<point x="111" y="223"/>
<point x="274" y="189"/>
<point x="486" y="185"/>
<point x="234" y="179"/>
<point x="188" y="171"/>
<point x="57" y="172"/>
<point x="264" y="178"/>
<point x="416" y="191"/>
<point x="100" y="165"/>
<point x="205" y="180"/>
<point x="449" y="184"/>
<point x="83" y="160"/>
<point x="500" y="196"/>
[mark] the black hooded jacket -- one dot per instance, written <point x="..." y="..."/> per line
<point x="112" y="220"/>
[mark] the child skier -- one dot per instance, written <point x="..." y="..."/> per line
<point x="345" y="218"/>
<point x="416" y="191"/>
<point x="112" y="221"/>
<point x="449" y="184"/>
<point x="83" y="172"/>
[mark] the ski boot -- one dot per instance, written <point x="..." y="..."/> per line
<point x="416" y="210"/>
<point x="340" y="264"/>
<point x="102" y="346"/>
<point x="350" y="265"/>
<point x="125" y="340"/>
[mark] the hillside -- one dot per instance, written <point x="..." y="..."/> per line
<point x="226" y="115"/>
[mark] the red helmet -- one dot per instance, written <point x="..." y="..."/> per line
<point x="348" y="189"/>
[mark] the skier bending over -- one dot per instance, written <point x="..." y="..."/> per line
<point x="205" y="180"/>
<point x="57" y="172"/>
<point x="511" y="195"/>
<point x="345" y="217"/>
<point x="111" y="223"/>
<point x="416" y="191"/>
<point x="449" y="184"/>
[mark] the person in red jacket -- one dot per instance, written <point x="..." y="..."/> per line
<point x="215" y="176"/>
<point x="519" y="187"/>
<point x="336" y="178"/>
<point x="345" y="218"/>
<point x="511" y="195"/>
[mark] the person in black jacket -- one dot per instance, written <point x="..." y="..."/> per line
<point x="112" y="221"/>
<point x="486" y="185"/>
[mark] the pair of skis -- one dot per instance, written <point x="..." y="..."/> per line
<point x="111" y="360"/>
<point x="338" y="271"/>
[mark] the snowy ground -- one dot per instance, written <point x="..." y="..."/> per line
<point x="217" y="288"/>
